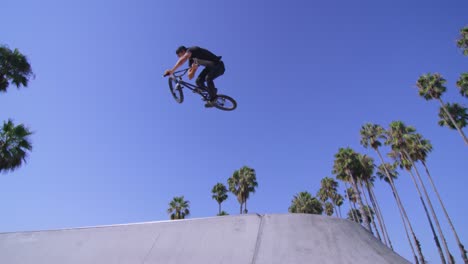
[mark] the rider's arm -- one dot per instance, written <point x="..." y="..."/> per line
<point x="181" y="61"/>
<point x="192" y="71"/>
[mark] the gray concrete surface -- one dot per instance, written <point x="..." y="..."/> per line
<point x="249" y="239"/>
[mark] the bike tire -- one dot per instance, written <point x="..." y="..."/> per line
<point x="226" y="103"/>
<point x="176" y="92"/>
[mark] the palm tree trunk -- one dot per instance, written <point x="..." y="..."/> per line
<point x="339" y="210"/>
<point x="355" y="218"/>
<point x="377" y="206"/>
<point x="444" y="242"/>
<point x="370" y="213"/>
<point x="219" y="209"/>
<point x="460" y="245"/>
<point x="400" y="204"/>
<point x="453" y="122"/>
<point x="245" y="207"/>
<point x="365" y="221"/>
<point x="436" y="239"/>
<point x="334" y="209"/>
<point x="404" y="225"/>
<point x="376" y="211"/>
<point x="354" y="210"/>
<point x="241" y="204"/>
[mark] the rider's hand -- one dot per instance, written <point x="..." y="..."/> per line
<point x="191" y="73"/>
<point x="168" y="72"/>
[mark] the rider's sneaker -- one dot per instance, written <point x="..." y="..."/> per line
<point x="210" y="103"/>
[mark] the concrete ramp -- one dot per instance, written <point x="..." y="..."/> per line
<point x="249" y="239"/>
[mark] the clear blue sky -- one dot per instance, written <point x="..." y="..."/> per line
<point x="112" y="146"/>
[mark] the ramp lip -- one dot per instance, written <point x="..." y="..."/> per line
<point x="128" y="224"/>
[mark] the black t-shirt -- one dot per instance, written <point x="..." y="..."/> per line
<point x="202" y="57"/>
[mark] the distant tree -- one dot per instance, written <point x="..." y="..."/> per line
<point x="304" y="203"/>
<point x="219" y="193"/>
<point x="354" y="212"/>
<point x="462" y="41"/>
<point x="329" y="209"/>
<point x="14" y="146"/>
<point x="431" y="86"/>
<point x="14" y="68"/>
<point x="178" y="208"/>
<point x="242" y="183"/>
<point x="462" y="84"/>
<point x="458" y="114"/>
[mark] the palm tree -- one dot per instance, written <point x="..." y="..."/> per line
<point x="235" y="183"/>
<point x="354" y="215"/>
<point x="365" y="174"/>
<point x="371" y="134"/>
<point x="431" y="86"/>
<point x="222" y="213"/>
<point x="423" y="147"/>
<point x="251" y="182"/>
<point x="457" y="112"/>
<point x="241" y="184"/>
<point x="329" y="208"/>
<point x="462" y="84"/>
<point x="219" y="193"/>
<point x="14" y="68"/>
<point x="354" y="212"/>
<point x="328" y="190"/>
<point x="178" y="208"/>
<point x="304" y="203"/>
<point x="401" y="138"/>
<point x="338" y="201"/>
<point x="14" y="145"/>
<point x="351" y="195"/>
<point x="346" y="166"/>
<point x="462" y="41"/>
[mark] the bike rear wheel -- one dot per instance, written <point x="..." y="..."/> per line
<point x="176" y="91"/>
<point x="225" y="103"/>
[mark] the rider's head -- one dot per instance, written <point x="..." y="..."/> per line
<point x="180" y="51"/>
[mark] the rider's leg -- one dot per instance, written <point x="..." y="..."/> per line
<point x="201" y="78"/>
<point x="214" y="72"/>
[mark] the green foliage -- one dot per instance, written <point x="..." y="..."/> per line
<point x="353" y="213"/>
<point x="329" y="208"/>
<point x="328" y="189"/>
<point x="462" y="84"/>
<point x="14" y="146"/>
<point x="219" y="193"/>
<point x="458" y="113"/>
<point x="338" y="199"/>
<point x="304" y="203"/>
<point x="431" y="86"/>
<point x="351" y="195"/>
<point x="178" y="208"/>
<point x="370" y="135"/>
<point x="242" y="183"/>
<point x="462" y="41"/>
<point x="14" y="68"/>
<point x="391" y="169"/>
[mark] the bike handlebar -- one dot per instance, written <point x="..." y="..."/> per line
<point x="184" y="71"/>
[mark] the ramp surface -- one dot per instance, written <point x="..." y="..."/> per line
<point x="249" y="239"/>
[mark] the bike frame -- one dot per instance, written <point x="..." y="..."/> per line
<point x="177" y="77"/>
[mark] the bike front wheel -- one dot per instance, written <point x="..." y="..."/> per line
<point x="176" y="90"/>
<point x="225" y="103"/>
